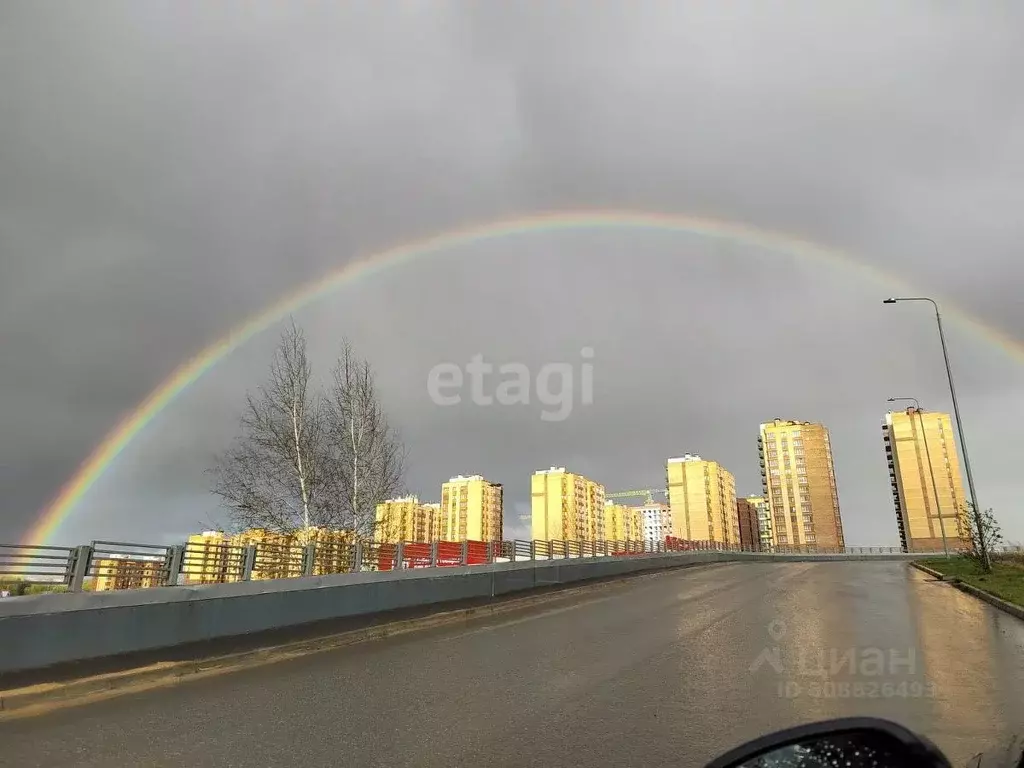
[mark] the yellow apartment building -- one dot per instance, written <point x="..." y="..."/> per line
<point x="924" y="471"/>
<point x="215" y="557"/>
<point x="470" y="509"/>
<point x="622" y="523"/>
<point x="566" y="506"/>
<point x="278" y="555"/>
<point x="634" y="523"/>
<point x="334" y="550"/>
<point x="210" y="559"/>
<point x="799" y="484"/>
<point x="406" y="519"/>
<point x="702" y="500"/>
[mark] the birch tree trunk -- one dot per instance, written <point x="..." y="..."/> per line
<point x="367" y="457"/>
<point x="274" y="474"/>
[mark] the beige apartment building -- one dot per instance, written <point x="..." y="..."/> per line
<point x="702" y="500"/>
<point x="566" y="506"/>
<point x="924" y="472"/>
<point x="799" y="482"/>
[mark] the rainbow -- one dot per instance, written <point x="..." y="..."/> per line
<point x="122" y="434"/>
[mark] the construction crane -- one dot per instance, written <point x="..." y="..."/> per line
<point x="648" y="492"/>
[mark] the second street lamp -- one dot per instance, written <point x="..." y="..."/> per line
<point x="982" y="544"/>
<point x="931" y="470"/>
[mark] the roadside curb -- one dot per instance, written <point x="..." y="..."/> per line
<point x="996" y="602"/>
<point x="929" y="571"/>
<point x="39" y="699"/>
<point x="988" y="597"/>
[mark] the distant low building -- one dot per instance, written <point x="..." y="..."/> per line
<point x="121" y="572"/>
<point x="655" y="522"/>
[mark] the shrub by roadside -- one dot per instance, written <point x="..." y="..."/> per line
<point x="1006" y="580"/>
<point x="19" y="587"/>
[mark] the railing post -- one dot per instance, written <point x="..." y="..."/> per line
<point x="399" y="555"/>
<point x="357" y="557"/>
<point x="248" y="561"/>
<point x="175" y="558"/>
<point x="80" y="559"/>
<point x="533" y="549"/>
<point x="490" y="551"/>
<point x="464" y="554"/>
<point x="433" y="554"/>
<point x="308" y="559"/>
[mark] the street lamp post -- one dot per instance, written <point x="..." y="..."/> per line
<point x="959" y="426"/>
<point x="931" y="468"/>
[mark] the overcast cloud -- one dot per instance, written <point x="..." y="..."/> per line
<point x="168" y="169"/>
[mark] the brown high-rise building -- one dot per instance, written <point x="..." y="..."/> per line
<point x="925" y="474"/>
<point x="800" y="484"/>
<point x="750" y="537"/>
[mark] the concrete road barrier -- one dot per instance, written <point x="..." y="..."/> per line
<point x="41" y="631"/>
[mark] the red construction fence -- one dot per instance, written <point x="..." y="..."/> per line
<point x="450" y="553"/>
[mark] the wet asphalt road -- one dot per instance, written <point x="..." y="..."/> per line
<point x="657" y="671"/>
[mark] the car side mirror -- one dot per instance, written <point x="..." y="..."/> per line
<point x="859" y="742"/>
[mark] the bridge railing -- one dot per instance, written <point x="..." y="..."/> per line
<point x="110" y="565"/>
<point x="32" y="563"/>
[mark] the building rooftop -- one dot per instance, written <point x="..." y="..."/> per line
<point x="686" y="457"/>
<point x="788" y="423"/>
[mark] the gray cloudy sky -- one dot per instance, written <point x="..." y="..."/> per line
<point x="167" y="169"/>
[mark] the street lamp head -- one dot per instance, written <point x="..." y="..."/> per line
<point x="889" y="301"/>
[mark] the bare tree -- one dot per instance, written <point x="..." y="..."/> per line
<point x="367" y="457"/>
<point x="273" y="476"/>
<point x="980" y="533"/>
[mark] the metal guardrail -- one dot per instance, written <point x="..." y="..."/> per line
<point x="105" y="565"/>
<point x="35" y="563"/>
